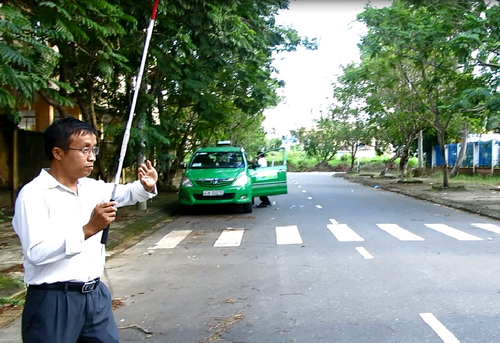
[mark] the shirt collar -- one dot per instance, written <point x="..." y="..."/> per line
<point x="51" y="182"/>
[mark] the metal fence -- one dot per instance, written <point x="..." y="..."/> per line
<point x="477" y="154"/>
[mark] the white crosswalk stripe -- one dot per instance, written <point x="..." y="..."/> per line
<point x="363" y="252"/>
<point x="487" y="227"/>
<point x="171" y="240"/>
<point x="400" y="233"/>
<point x="344" y="233"/>
<point x="230" y="238"/>
<point x="452" y="232"/>
<point x="288" y="235"/>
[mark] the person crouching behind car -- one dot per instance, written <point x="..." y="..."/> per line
<point x="262" y="162"/>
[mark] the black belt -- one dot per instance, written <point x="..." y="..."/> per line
<point x="82" y="287"/>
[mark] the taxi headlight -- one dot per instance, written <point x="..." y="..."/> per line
<point x="186" y="182"/>
<point x="241" y="180"/>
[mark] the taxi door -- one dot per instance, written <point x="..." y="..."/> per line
<point x="270" y="180"/>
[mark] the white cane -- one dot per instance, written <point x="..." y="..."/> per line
<point x="126" y="135"/>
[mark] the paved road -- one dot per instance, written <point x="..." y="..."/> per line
<point x="332" y="261"/>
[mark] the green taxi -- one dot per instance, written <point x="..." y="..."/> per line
<point x="223" y="175"/>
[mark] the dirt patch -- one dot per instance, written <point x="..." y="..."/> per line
<point x="13" y="269"/>
<point x="9" y="308"/>
<point x="325" y="167"/>
<point x="449" y="189"/>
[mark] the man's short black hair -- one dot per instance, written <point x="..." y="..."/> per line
<point x="59" y="133"/>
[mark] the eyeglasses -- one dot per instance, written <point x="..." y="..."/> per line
<point x="85" y="151"/>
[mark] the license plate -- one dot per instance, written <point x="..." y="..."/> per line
<point x="212" y="193"/>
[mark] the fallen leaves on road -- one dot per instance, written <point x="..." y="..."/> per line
<point x="221" y="325"/>
<point x="117" y="302"/>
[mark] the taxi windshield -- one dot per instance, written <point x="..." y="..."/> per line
<point x="217" y="159"/>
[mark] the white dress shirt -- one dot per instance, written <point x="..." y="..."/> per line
<point x="49" y="220"/>
<point x="262" y="162"/>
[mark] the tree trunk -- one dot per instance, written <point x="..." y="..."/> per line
<point x="403" y="164"/>
<point x="461" y="153"/>
<point x="173" y="164"/>
<point x="354" y="149"/>
<point x="63" y="112"/>
<point x="392" y="159"/>
<point x="90" y="117"/>
<point x="63" y="77"/>
<point x="440" y="136"/>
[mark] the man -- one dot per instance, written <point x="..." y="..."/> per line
<point x="59" y="218"/>
<point x="262" y="162"/>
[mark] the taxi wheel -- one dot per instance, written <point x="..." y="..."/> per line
<point x="247" y="208"/>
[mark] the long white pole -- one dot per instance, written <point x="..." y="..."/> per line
<point x="126" y="135"/>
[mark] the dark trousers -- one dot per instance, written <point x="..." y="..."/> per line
<point x="58" y="316"/>
<point x="265" y="200"/>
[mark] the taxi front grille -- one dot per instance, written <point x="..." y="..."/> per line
<point x="213" y="184"/>
<point x="226" y="196"/>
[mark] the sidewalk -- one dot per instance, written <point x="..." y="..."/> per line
<point x="131" y="225"/>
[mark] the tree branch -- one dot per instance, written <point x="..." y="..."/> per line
<point x="488" y="64"/>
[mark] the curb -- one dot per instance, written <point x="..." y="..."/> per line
<point x="485" y="212"/>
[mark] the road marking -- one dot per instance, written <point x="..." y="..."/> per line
<point x="439" y="328"/>
<point x="319" y="206"/>
<point x="288" y="235"/>
<point x="171" y="240"/>
<point x="300" y="186"/>
<point x="344" y="233"/>
<point x="333" y="221"/>
<point x="400" y="233"/>
<point x="309" y="198"/>
<point x="364" y="253"/>
<point x="488" y="227"/>
<point x="304" y="191"/>
<point x="449" y="231"/>
<point x="230" y="238"/>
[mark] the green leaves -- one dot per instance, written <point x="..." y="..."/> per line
<point x="20" y="53"/>
<point x="208" y="72"/>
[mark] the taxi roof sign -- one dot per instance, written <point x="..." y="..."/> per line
<point x="224" y="143"/>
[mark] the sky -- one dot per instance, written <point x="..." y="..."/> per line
<point x="309" y="74"/>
